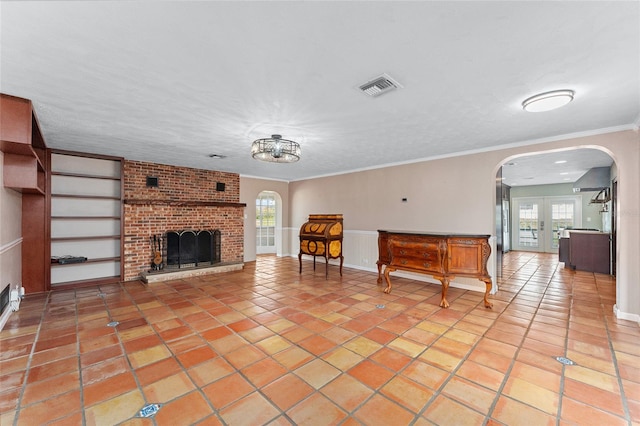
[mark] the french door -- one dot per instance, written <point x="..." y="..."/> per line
<point x="538" y="221"/>
<point x="266" y="223"/>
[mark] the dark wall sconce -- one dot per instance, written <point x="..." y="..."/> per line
<point x="152" y="181"/>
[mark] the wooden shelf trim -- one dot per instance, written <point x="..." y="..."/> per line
<point x="85" y="217"/>
<point x="141" y="202"/>
<point x="96" y="260"/>
<point x="83" y="175"/>
<point x="18" y="148"/>
<point x="69" y="285"/>
<point x="102" y="237"/>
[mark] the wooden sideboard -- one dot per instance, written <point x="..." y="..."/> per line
<point x="441" y="255"/>
<point x="321" y="236"/>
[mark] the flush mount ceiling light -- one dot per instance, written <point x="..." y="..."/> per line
<point x="275" y="150"/>
<point x="548" y="100"/>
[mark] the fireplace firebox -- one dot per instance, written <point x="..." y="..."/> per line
<point x="192" y="248"/>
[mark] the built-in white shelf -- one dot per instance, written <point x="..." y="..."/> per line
<point x="86" y="218"/>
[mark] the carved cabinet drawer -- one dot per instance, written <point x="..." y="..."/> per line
<point x="416" y="256"/>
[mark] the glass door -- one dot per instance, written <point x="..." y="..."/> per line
<point x="266" y="223"/>
<point x="562" y="217"/>
<point x="538" y="221"/>
<point x="527" y="215"/>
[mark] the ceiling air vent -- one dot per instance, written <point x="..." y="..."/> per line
<point x="379" y="85"/>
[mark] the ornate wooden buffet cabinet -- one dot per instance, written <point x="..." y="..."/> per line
<point x="443" y="256"/>
<point x="321" y="236"/>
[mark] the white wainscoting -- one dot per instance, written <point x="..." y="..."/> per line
<point x="11" y="267"/>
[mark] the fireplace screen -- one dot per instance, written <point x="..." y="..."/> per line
<point x="189" y="248"/>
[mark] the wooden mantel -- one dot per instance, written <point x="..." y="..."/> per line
<point x="157" y="202"/>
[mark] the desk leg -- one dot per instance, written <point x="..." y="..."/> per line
<point x="326" y="268"/>
<point x="488" y="284"/>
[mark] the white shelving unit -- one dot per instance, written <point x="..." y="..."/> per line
<point x="86" y="218"/>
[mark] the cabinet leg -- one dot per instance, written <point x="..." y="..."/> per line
<point x="341" y="262"/>
<point x="300" y="262"/>
<point x="445" y="287"/>
<point x="488" y="285"/>
<point x="388" y="270"/>
<point x="379" y="272"/>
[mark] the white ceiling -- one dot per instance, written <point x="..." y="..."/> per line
<point x="553" y="167"/>
<point x="173" y="82"/>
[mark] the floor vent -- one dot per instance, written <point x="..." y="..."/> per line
<point x="379" y="85"/>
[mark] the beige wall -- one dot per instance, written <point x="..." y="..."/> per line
<point x="458" y="195"/>
<point x="249" y="190"/>
<point x="10" y="235"/>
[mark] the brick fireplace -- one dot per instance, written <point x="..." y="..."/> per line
<point x="175" y="199"/>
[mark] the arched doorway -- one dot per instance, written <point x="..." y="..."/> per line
<point x="538" y="195"/>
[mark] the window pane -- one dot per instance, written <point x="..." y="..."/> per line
<point x="528" y="226"/>
<point x="562" y="216"/>
<point x="265" y="220"/>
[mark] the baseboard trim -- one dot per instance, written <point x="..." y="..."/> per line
<point x="626" y="315"/>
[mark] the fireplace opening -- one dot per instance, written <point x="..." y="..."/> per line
<point x="192" y="248"/>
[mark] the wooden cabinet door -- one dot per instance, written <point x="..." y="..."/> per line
<point x="465" y="256"/>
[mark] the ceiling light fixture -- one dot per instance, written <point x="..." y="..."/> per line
<point x="275" y="150"/>
<point x="548" y="100"/>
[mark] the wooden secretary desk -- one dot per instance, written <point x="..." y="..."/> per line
<point x="321" y="236"/>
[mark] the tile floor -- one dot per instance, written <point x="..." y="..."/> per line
<point x="269" y="346"/>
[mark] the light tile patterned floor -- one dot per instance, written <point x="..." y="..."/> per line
<point x="267" y="345"/>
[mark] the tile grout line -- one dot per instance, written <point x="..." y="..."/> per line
<point x="82" y="408"/>
<point x="214" y="411"/>
<point x="623" y="397"/>
<point x="238" y="370"/>
<point x="507" y="375"/>
<point x="124" y="352"/>
<point x="566" y="348"/>
<point x="451" y="374"/>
